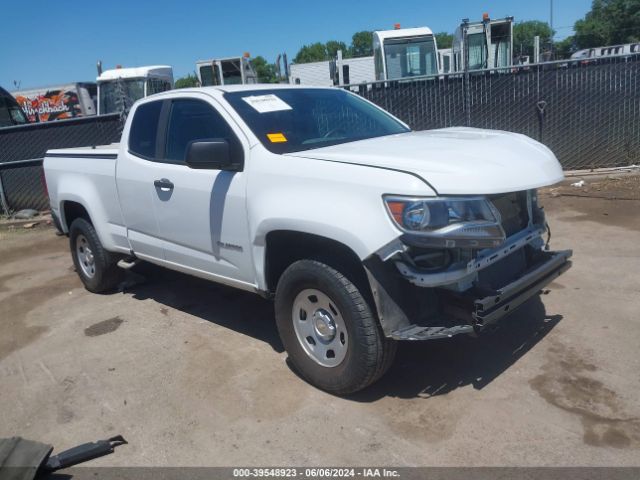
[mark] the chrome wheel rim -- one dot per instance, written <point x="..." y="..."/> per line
<point x="85" y="256"/>
<point x="320" y="328"/>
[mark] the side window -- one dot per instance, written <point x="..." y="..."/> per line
<point x="192" y="120"/>
<point x="377" y="59"/>
<point x="144" y="130"/>
<point x="155" y="85"/>
<point x="206" y="75"/>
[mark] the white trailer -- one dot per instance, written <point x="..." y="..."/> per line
<point x="57" y="102"/>
<point x="133" y="83"/>
<point x="608" y="51"/>
<point x="405" y="53"/>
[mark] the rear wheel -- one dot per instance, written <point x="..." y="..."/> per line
<point x="329" y="331"/>
<point x="96" y="267"/>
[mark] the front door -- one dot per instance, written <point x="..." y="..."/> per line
<point x="202" y="214"/>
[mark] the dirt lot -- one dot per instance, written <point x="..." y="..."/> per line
<point x="192" y="373"/>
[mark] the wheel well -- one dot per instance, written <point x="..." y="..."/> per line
<point x="285" y="247"/>
<point x="73" y="210"/>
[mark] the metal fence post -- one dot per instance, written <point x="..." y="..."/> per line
<point x="3" y="199"/>
<point x="467" y="96"/>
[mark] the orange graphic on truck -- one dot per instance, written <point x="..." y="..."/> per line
<point x="52" y="105"/>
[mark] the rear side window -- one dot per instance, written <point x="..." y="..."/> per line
<point x="192" y="120"/>
<point x="144" y="130"/>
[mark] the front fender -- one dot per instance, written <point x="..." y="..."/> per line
<point x="341" y="202"/>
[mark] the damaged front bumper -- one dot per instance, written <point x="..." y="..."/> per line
<point x="410" y="308"/>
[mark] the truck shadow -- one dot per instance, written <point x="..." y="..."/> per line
<point x="240" y="311"/>
<point x="428" y="369"/>
<point x="421" y="369"/>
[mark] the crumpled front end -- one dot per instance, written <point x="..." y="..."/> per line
<point x="424" y="292"/>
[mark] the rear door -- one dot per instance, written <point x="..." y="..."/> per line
<point x="202" y="215"/>
<point x="136" y="171"/>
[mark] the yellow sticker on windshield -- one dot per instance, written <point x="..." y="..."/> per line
<point x="276" y="137"/>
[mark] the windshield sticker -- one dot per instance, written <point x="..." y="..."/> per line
<point x="276" y="137"/>
<point x="266" y="103"/>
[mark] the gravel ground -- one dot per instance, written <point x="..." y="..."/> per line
<point x="194" y="374"/>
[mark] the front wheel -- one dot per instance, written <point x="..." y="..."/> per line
<point x="329" y="331"/>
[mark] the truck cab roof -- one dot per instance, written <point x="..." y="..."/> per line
<point x="156" y="71"/>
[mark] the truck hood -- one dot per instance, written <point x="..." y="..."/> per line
<point x="454" y="161"/>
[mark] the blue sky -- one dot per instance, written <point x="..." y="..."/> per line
<point x="49" y="42"/>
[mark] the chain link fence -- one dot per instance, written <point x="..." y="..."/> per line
<point x="586" y="112"/>
<point x="22" y="149"/>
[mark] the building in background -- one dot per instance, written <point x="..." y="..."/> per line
<point x="340" y="71"/>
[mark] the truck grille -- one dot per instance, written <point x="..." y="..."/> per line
<point x="513" y="210"/>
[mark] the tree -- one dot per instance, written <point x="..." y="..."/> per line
<point x="524" y="33"/>
<point x="191" y="80"/>
<point x="315" y="52"/>
<point x="332" y="47"/>
<point x="609" y="22"/>
<point x="362" y="44"/>
<point x="444" y="40"/>
<point x="265" y="71"/>
<point x="564" y="48"/>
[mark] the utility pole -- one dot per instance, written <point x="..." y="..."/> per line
<point x="551" y="25"/>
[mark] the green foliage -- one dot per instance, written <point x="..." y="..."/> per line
<point x="609" y="22"/>
<point x="444" y="40"/>
<point x="266" y="71"/>
<point x="315" y="52"/>
<point x="362" y="44"/>
<point x="564" y="48"/>
<point x="333" y="46"/>
<point x="318" y="52"/>
<point x="191" y="80"/>
<point x="524" y="33"/>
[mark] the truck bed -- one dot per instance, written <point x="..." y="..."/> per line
<point x="87" y="176"/>
<point x="99" y="150"/>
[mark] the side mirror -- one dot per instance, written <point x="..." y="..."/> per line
<point x="210" y="154"/>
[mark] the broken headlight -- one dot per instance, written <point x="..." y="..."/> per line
<point x="450" y="222"/>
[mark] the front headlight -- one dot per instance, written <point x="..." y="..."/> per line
<point x="470" y="222"/>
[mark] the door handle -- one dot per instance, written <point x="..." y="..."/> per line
<point x="163" y="184"/>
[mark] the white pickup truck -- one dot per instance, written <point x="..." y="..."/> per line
<point x="363" y="231"/>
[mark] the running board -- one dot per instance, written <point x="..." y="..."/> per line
<point x="416" y="332"/>
<point x="128" y="263"/>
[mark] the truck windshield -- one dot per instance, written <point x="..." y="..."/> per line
<point x="114" y="93"/>
<point x="10" y="112"/>
<point x="477" y="50"/>
<point x="232" y="71"/>
<point x="410" y="57"/>
<point x="297" y="119"/>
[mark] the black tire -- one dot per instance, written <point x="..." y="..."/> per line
<point x="106" y="273"/>
<point x="368" y="354"/>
